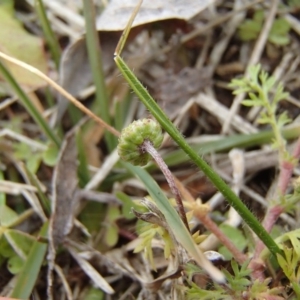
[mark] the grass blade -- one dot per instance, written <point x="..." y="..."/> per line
<point x="174" y="221"/>
<point x="26" y="279"/>
<point x="230" y="142"/>
<point x="95" y="58"/>
<point x="29" y="106"/>
<point x="48" y="32"/>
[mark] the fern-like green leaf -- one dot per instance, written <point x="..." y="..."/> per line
<point x="283" y="119"/>
<point x="279" y="94"/>
<point x="264" y="118"/>
<point x="195" y="293"/>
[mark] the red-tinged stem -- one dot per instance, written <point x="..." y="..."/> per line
<point x="286" y="170"/>
<point x="270" y="219"/>
<point x="212" y="227"/>
<point x="272" y="215"/>
<point x="148" y="147"/>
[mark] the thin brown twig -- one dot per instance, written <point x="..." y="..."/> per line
<point x="61" y="91"/>
<point x="214" y="229"/>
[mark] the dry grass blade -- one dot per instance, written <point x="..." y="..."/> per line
<point x="61" y="91"/>
<point x="97" y="279"/>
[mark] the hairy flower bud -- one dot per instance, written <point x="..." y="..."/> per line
<point x="132" y="137"/>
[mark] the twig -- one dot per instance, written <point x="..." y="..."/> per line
<point x="61" y="91"/>
<point x="211" y="226"/>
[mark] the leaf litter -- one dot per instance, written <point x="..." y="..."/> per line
<point x="193" y="71"/>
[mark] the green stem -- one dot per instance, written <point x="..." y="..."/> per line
<point x="273" y="122"/>
<point x="231" y="197"/>
<point x="296" y="289"/>
<point x="28" y="105"/>
<point x="48" y="32"/>
<point x="95" y="58"/>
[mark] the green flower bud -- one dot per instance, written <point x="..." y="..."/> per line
<point x="132" y="138"/>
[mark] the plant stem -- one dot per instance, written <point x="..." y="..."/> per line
<point x="286" y="169"/>
<point x="273" y="213"/>
<point x="167" y="125"/>
<point x="182" y="235"/>
<point x="273" y="122"/>
<point x="203" y="216"/>
<point x="148" y="147"/>
<point x="270" y="219"/>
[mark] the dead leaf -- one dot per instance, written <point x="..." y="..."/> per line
<point x="17" y="42"/>
<point x="75" y="72"/>
<point x="64" y="201"/>
<point x="117" y="12"/>
<point x="64" y="184"/>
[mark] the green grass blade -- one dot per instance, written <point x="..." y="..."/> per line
<point x="227" y="143"/>
<point x="126" y="31"/>
<point x="48" y="32"/>
<point x="175" y="223"/>
<point x="95" y="58"/>
<point x="26" y="279"/>
<point x="28" y="105"/>
<point x="167" y="125"/>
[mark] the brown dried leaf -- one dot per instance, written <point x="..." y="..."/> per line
<point x="118" y="12"/>
<point x="64" y="200"/>
<point x="90" y="271"/>
<point x="75" y="72"/>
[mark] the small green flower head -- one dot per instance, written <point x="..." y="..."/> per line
<point x="132" y="138"/>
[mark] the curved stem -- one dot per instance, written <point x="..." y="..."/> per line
<point x="211" y="226"/>
<point x="148" y="147"/>
<point x="166" y="124"/>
